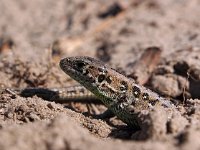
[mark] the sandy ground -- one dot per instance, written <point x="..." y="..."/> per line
<point x="35" y="35"/>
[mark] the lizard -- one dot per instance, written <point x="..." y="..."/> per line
<point x="120" y="94"/>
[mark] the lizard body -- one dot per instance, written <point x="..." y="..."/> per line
<point x="120" y="94"/>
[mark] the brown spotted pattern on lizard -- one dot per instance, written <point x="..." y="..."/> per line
<point x="120" y="94"/>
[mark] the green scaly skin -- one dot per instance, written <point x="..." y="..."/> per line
<point x="119" y="94"/>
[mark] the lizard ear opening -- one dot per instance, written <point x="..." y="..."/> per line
<point x="101" y="77"/>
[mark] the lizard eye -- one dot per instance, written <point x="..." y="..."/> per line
<point x="80" y="66"/>
<point x="101" y="77"/>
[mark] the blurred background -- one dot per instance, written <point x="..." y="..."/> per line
<point x="102" y="29"/>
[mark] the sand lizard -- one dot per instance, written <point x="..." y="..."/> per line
<point x="119" y="94"/>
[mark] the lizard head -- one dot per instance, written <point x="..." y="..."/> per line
<point x="83" y="69"/>
<point x="95" y="76"/>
